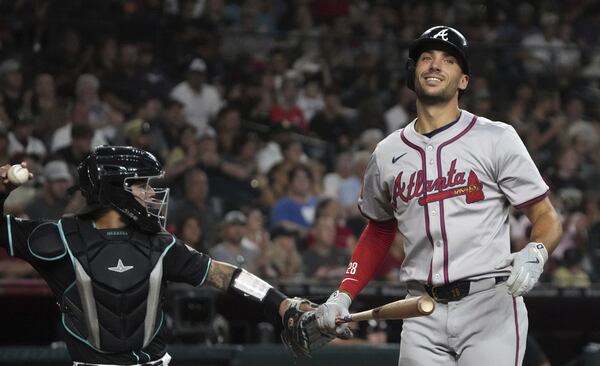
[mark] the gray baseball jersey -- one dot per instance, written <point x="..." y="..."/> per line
<point x="450" y="196"/>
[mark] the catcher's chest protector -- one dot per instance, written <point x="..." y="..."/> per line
<point x="114" y="305"/>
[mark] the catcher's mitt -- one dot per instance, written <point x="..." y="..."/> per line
<point x="301" y="333"/>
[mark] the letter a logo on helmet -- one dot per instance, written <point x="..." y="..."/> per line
<point x="443" y="34"/>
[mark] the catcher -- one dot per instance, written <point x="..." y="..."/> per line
<point x="109" y="265"/>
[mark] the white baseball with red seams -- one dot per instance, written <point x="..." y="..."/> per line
<point x="17" y="174"/>
<point x="451" y="195"/>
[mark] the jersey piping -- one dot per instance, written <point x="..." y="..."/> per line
<point x="425" y="207"/>
<point x="425" y="193"/>
<point x="441" y="203"/>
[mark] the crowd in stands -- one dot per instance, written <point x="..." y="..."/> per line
<point x="265" y="112"/>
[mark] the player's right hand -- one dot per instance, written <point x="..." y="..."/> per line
<point x="327" y="313"/>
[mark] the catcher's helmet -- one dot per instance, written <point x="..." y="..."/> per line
<point x="438" y="37"/>
<point x="121" y="177"/>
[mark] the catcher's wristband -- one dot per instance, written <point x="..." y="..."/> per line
<point x="245" y="284"/>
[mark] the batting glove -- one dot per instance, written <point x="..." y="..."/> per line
<point x="527" y="266"/>
<point x="335" y="307"/>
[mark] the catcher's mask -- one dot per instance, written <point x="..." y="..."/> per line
<point x="126" y="179"/>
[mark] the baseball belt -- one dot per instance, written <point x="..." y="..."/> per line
<point x="456" y="290"/>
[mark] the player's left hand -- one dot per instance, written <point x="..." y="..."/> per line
<point x="527" y="267"/>
<point x="301" y="333"/>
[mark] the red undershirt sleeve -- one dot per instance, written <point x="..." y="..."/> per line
<point x="373" y="245"/>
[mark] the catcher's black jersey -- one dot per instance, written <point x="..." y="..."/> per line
<point x="53" y="258"/>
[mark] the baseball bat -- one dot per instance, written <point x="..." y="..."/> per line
<point x="400" y="309"/>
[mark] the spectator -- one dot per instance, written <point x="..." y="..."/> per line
<point x="296" y="211"/>
<point x="196" y="202"/>
<point x="181" y="158"/>
<point x="100" y="116"/>
<point x="68" y="59"/>
<point x="351" y="186"/>
<point x="279" y="137"/>
<point x="125" y="85"/>
<point x="332" y="124"/>
<point x="344" y="236"/>
<point x="310" y="100"/>
<point x="53" y="197"/>
<point x="276" y="185"/>
<point x="324" y="260"/>
<point x="172" y="122"/>
<point x="333" y="180"/>
<point x="201" y="101"/>
<point x="11" y="90"/>
<point x="21" y="139"/>
<point x="62" y="136"/>
<point x="285" y="258"/>
<point x="145" y="123"/>
<point x="48" y="109"/>
<point x="80" y="147"/>
<point x="570" y="272"/>
<point x="286" y="110"/>
<point x="402" y="112"/>
<point x="189" y="230"/>
<point x="230" y="249"/>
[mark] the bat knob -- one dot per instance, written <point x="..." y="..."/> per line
<point x="426" y="305"/>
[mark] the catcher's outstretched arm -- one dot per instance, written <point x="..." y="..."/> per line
<point x="301" y="334"/>
<point x="237" y="281"/>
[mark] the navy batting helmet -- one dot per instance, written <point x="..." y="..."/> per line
<point x="438" y="37"/>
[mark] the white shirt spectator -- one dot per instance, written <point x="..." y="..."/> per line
<point x="310" y="105"/>
<point x="62" y="138"/>
<point x="268" y="156"/>
<point x="198" y="108"/>
<point x="395" y="118"/>
<point x="33" y="146"/>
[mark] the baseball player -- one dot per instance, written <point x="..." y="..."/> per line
<point x="109" y="265"/>
<point x="445" y="182"/>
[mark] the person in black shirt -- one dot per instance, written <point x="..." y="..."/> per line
<point x="109" y="265"/>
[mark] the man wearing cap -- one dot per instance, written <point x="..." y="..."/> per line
<point x="201" y="101"/>
<point x="231" y="250"/>
<point x="446" y="182"/>
<point x="52" y="197"/>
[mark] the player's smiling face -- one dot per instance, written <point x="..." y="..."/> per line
<point x="438" y="77"/>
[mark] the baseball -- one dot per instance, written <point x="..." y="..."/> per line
<point x="17" y="174"/>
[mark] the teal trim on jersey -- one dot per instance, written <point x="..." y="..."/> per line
<point x="162" y="318"/>
<point x="137" y="358"/>
<point x="39" y="256"/>
<point x="11" y="251"/>
<point x="85" y="341"/>
<point x="68" y="250"/>
<point x="147" y="355"/>
<point x="206" y="274"/>
<point x="64" y="240"/>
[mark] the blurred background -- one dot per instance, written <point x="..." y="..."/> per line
<point x="264" y="114"/>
